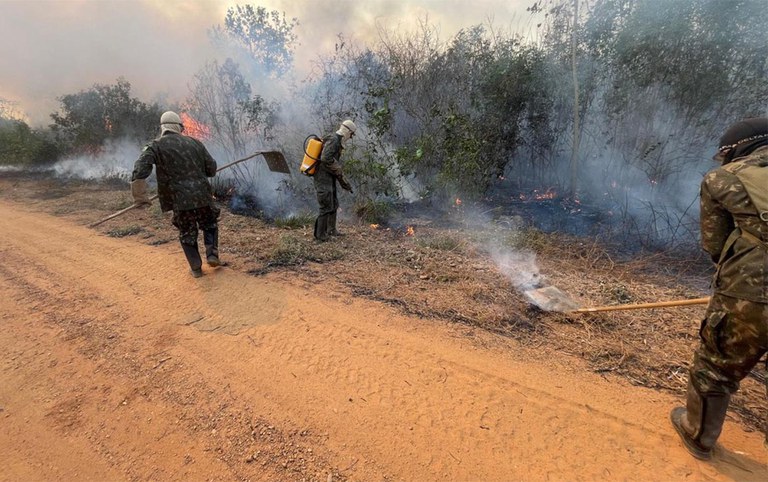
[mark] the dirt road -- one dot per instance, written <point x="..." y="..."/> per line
<point x="115" y="364"/>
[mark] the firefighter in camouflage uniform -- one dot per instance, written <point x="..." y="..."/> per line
<point x="328" y="172"/>
<point x="734" y="332"/>
<point x="183" y="167"/>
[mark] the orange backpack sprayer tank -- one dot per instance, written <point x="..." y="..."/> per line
<point x="313" y="146"/>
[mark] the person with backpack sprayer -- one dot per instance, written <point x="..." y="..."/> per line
<point x="327" y="172"/>
<point x="734" y="332"/>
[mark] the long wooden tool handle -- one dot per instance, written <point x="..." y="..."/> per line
<point x="119" y="213"/>
<point x="134" y="206"/>
<point x="642" y="306"/>
<point x="241" y="160"/>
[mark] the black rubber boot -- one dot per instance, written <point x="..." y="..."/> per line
<point x="211" y="240"/>
<point x="321" y="228"/>
<point x="699" y="424"/>
<point x="193" y="258"/>
<point x="332" y="231"/>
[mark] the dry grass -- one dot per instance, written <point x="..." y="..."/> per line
<point x="447" y="273"/>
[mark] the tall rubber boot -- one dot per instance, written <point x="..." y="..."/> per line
<point x="211" y="240"/>
<point x="193" y="258"/>
<point x="321" y="228"/>
<point x="699" y="424"/>
<point x="332" y="226"/>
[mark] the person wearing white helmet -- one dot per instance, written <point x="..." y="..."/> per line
<point x="183" y="166"/>
<point x="328" y="172"/>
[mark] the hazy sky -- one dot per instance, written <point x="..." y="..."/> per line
<point x="53" y="47"/>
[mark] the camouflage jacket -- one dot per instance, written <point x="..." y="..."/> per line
<point x="183" y="166"/>
<point x="329" y="167"/>
<point x="726" y="213"/>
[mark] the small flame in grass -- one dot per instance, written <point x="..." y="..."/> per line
<point x="193" y="128"/>
<point x="374" y="226"/>
<point x="458" y="202"/>
<point x="548" y="194"/>
<point x="538" y="195"/>
<point x="409" y="231"/>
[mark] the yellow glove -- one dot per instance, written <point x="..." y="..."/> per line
<point x="139" y="192"/>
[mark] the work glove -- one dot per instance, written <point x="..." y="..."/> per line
<point x="139" y="192"/>
<point x="345" y="185"/>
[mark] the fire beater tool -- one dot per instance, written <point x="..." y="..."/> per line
<point x="275" y="163"/>
<point x="551" y="298"/>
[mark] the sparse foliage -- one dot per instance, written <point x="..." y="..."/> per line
<point x="266" y="36"/>
<point x="222" y="99"/>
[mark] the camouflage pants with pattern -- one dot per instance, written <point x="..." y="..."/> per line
<point x="188" y="222"/>
<point x="734" y="336"/>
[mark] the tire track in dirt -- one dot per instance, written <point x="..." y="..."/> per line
<point x="188" y="405"/>
<point x="232" y="376"/>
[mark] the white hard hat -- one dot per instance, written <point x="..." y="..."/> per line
<point x="350" y="125"/>
<point x="170" y="117"/>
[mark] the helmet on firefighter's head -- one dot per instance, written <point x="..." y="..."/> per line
<point x="742" y="138"/>
<point x="347" y="129"/>
<point x="171" y="121"/>
<point x="350" y="125"/>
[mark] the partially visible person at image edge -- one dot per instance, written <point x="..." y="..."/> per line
<point x="734" y="332"/>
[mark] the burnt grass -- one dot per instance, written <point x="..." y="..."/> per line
<point x="438" y="264"/>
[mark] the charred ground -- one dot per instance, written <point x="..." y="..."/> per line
<point x="441" y="268"/>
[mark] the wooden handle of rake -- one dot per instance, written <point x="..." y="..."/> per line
<point x="134" y="206"/>
<point x="642" y="306"/>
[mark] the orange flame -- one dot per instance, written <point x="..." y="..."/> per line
<point x="409" y="231"/>
<point x="549" y="194"/>
<point x="458" y="202"/>
<point x="374" y="226"/>
<point x="193" y="128"/>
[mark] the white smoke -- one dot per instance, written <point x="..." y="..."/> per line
<point x="114" y="161"/>
<point x="518" y="266"/>
<point x="501" y="238"/>
<point x="159" y="45"/>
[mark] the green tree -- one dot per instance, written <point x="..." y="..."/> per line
<point x="90" y="117"/>
<point x="22" y="145"/>
<point x="267" y="36"/>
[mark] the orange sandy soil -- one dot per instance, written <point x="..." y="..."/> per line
<point x="378" y="356"/>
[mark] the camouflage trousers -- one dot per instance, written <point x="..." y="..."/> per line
<point x="189" y="220"/>
<point x="734" y="336"/>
